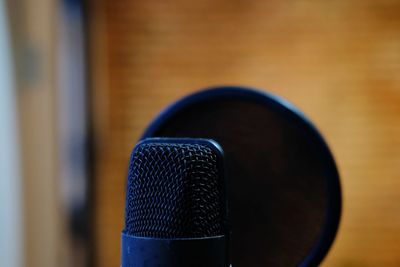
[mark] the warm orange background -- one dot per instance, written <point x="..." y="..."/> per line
<point x="338" y="61"/>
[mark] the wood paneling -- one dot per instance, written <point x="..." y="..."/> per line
<point x="339" y="61"/>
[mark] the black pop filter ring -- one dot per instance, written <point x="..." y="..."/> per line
<point x="284" y="185"/>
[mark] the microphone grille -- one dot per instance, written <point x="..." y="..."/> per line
<point x="174" y="191"/>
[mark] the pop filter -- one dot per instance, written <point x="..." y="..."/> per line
<point x="284" y="192"/>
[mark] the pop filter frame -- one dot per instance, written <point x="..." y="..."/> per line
<point x="291" y="141"/>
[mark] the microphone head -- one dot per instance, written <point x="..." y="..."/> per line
<point x="176" y="189"/>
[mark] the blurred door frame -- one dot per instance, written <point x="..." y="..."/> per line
<point x="51" y="105"/>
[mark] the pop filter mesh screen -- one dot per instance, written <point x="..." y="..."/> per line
<point x="277" y="188"/>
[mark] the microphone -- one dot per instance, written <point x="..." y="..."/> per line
<point x="176" y="205"/>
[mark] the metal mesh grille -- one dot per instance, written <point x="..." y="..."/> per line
<point x="174" y="191"/>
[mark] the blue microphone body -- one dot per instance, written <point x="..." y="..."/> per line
<point x="176" y="210"/>
<point x="193" y="252"/>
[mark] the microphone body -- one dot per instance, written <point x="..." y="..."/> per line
<point x="176" y="205"/>
<point x="193" y="252"/>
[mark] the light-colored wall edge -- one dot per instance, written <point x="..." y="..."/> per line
<point x="11" y="226"/>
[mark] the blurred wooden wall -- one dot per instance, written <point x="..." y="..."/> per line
<point x="338" y="61"/>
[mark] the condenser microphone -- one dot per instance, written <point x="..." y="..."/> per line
<point x="176" y="205"/>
